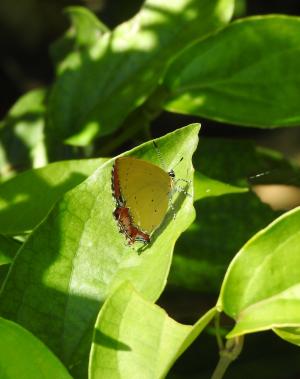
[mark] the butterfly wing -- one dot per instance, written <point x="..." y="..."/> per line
<point x="145" y="189"/>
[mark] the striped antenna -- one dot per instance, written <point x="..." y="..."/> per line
<point x="171" y="171"/>
<point x="160" y="157"/>
<point x="161" y="160"/>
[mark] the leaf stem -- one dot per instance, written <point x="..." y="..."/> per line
<point x="230" y="353"/>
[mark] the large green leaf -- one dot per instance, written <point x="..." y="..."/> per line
<point x="136" y="339"/>
<point x="23" y="356"/>
<point x="98" y="87"/>
<point x="72" y="260"/>
<point x="27" y="198"/>
<point x="261" y="289"/>
<point x="22" y="134"/>
<point x="247" y="74"/>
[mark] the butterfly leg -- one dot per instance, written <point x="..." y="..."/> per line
<point x="171" y="205"/>
<point x="179" y="188"/>
<point x="187" y="181"/>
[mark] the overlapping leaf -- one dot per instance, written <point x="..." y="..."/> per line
<point x="28" y="197"/>
<point x="135" y="337"/>
<point x="261" y="287"/>
<point x="228" y="213"/>
<point x="100" y="86"/>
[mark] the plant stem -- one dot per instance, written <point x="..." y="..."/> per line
<point x="218" y="336"/>
<point x="231" y="351"/>
<point x="139" y="120"/>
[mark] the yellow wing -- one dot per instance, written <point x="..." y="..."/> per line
<point x="145" y="188"/>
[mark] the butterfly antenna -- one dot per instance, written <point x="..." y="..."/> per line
<point x="160" y="157"/>
<point x="180" y="160"/>
<point x="263" y="173"/>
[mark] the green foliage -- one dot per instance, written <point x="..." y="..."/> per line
<point x="67" y="275"/>
<point x="27" y="198"/>
<point x="22" y="134"/>
<point x="153" y="340"/>
<point x="76" y="256"/>
<point x="227" y="76"/>
<point x="24" y="356"/>
<point x="8" y="249"/>
<point x="133" y="57"/>
<point x="257" y="292"/>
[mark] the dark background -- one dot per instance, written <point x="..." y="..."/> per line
<point x="27" y="28"/>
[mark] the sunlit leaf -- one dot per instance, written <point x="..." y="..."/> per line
<point x="22" y="134"/>
<point x="85" y="30"/>
<point x="207" y="187"/>
<point x="76" y="256"/>
<point x="291" y="335"/>
<point x="246" y="74"/>
<point x="28" y="197"/>
<point x="98" y="87"/>
<point x="134" y="336"/>
<point x="261" y="289"/>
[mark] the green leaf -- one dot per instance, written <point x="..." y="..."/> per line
<point x="216" y="158"/>
<point x="23" y="356"/>
<point x="8" y="249"/>
<point x="27" y="198"/>
<point x="223" y="224"/>
<point x="76" y="256"/>
<point x="228" y="213"/>
<point x="246" y="74"/>
<point x="98" y="87"/>
<point x="135" y="338"/>
<point x="88" y="28"/>
<point x="291" y="335"/>
<point x="207" y="187"/>
<point x="85" y="30"/>
<point x="22" y="134"/>
<point x="261" y="289"/>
